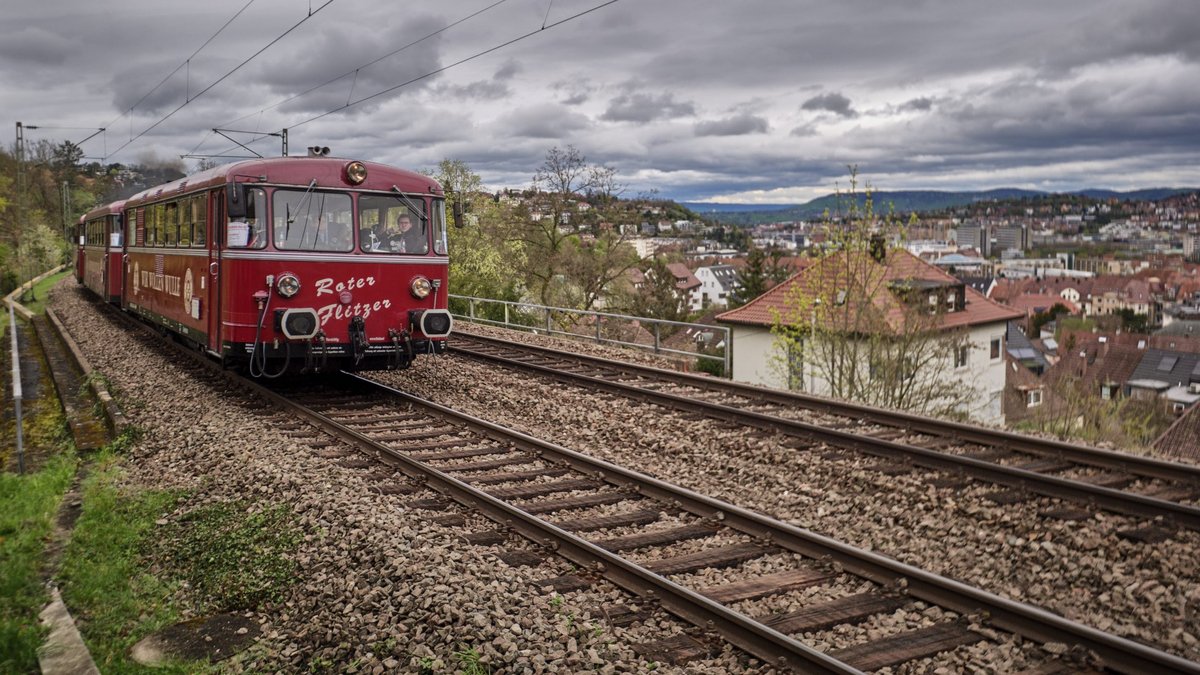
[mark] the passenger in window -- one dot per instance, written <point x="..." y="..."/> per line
<point x="409" y="239"/>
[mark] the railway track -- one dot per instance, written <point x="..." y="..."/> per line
<point x="1163" y="493"/>
<point x="662" y="542"/>
<point x="656" y="537"/>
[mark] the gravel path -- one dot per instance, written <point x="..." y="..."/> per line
<point x="1080" y="569"/>
<point x="383" y="588"/>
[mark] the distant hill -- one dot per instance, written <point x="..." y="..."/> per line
<point x="715" y="207"/>
<point x="903" y="201"/>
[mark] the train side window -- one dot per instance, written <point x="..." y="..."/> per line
<point x="185" y="222"/>
<point x="440" y="245"/>
<point x="249" y="232"/>
<point x="117" y="237"/>
<point x="152" y="227"/>
<point x="171" y="223"/>
<point x="200" y="218"/>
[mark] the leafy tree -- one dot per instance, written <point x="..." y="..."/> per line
<point x="566" y="263"/>
<point x="481" y="259"/>
<point x="853" y="331"/>
<point x="658" y="298"/>
<point x="1133" y="322"/>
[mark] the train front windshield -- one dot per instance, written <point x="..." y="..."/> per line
<point x="312" y="221"/>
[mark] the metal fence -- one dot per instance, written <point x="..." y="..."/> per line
<point x="16" y="389"/>
<point x="711" y="345"/>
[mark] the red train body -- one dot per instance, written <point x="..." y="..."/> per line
<point x="301" y="263"/>
<point x="99" y="264"/>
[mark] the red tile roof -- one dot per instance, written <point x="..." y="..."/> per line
<point x="902" y="266"/>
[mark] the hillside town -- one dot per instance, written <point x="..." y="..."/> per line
<point x="1078" y="316"/>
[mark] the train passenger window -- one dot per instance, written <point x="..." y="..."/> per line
<point x="172" y="223"/>
<point x="117" y="236"/>
<point x="392" y="224"/>
<point x="305" y="220"/>
<point x="249" y="232"/>
<point x="200" y="219"/>
<point x="154" y="225"/>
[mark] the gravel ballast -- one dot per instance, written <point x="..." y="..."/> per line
<point x="1080" y="569"/>
<point x="382" y="587"/>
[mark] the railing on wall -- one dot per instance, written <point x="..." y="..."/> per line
<point x="708" y="344"/>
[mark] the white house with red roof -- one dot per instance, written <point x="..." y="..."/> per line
<point x="904" y="279"/>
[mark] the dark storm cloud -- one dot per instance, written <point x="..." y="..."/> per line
<point x="738" y="125"/>
<point x="833" y="102"/>
<point x="646" y="108"/>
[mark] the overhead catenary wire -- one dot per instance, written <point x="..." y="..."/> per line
<point x="474" y="56"/>
<point x="247" y="60"/>
<point x="431" y="73"/>
<point x="354" y="72"/>
<point x="186" y="62"/>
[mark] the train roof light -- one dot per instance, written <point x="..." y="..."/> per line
<point x="356" y="173"/>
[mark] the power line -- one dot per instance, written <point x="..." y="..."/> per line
<point x="311" y="13"/>
<point x="456" y="63"/>
<point x="431" y="73"/>
<point x="186" y="61"/>
<point x="352" y="72"/>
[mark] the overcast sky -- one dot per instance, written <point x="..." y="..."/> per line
<point x="717" y="100"/>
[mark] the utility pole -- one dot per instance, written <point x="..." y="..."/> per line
<point x="66" y="209"/>
<point x="20" y="186"/>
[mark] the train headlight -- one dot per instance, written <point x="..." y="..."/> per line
<point x="420" y="288"/>
<point x="288" y="285"/>
<point x="356" y="172"/>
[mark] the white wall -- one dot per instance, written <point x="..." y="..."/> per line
<point x="754" y="362"/>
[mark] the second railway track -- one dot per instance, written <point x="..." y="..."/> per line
<point x="1155" y="490"/>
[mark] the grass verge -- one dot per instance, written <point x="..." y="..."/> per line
<point x="139" y="561"/>
<point x="27" y="508"/>
<point x="36" y="301"/>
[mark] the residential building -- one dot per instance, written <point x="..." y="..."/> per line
<point x="979" y="367"/>
<point x="716" y="283"/>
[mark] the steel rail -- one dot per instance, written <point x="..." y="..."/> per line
<point x="1029" y="621"/>
<point x="1140" y="466"/>
<point x="1038" y="624"/>
<point x="764" y="642"/>
<point x="1109" y="499"/>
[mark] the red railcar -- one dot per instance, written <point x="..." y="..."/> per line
<point x="293" y="263"/>
<point x="99" y="263"/>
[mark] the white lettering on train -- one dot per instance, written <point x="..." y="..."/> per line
<point x="327" y="287"/>
<point x="363" y="309"/>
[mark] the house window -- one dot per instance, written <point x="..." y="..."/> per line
<point x="960" y="356"/>
<point x="995" y="348"/>
<point x="1033" y="398"/>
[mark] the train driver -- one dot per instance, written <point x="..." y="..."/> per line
<point x="409" y="239"/>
